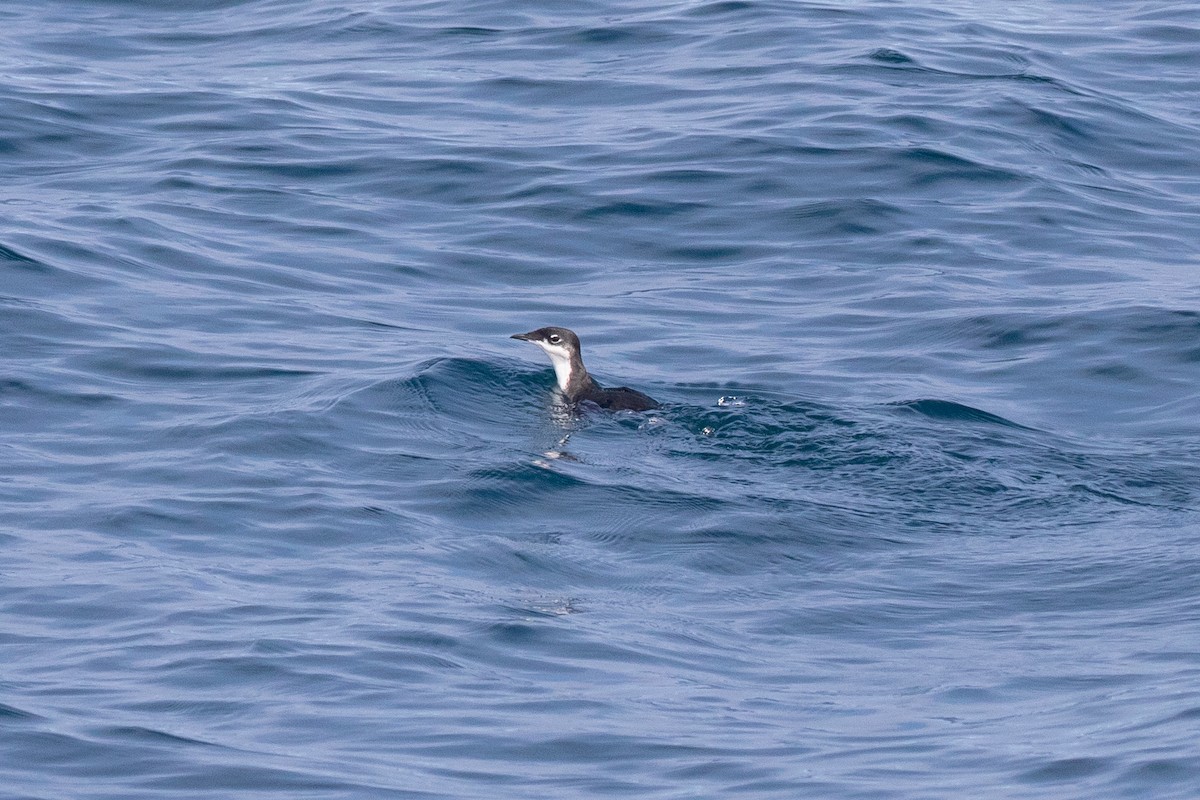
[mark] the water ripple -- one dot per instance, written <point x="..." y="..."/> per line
<point x="285" y="511"/>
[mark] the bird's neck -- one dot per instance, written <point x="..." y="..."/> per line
<point x="563" y="369"/>
<point x="573" y="377"/>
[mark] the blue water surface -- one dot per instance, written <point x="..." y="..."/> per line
<point x="285" y="513"/>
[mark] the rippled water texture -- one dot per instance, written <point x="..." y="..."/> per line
<point x="284" y="512"/>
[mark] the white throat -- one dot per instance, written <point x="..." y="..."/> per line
<point x="561" y="360"/>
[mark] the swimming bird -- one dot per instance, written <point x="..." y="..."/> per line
<point x="574" y="382"/>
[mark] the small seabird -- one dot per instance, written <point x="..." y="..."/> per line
<point x="574" y="381"/>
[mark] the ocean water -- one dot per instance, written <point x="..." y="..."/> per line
<point x="285" y="513"/>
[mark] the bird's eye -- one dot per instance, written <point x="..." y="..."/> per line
<point x="555" y="338"/>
